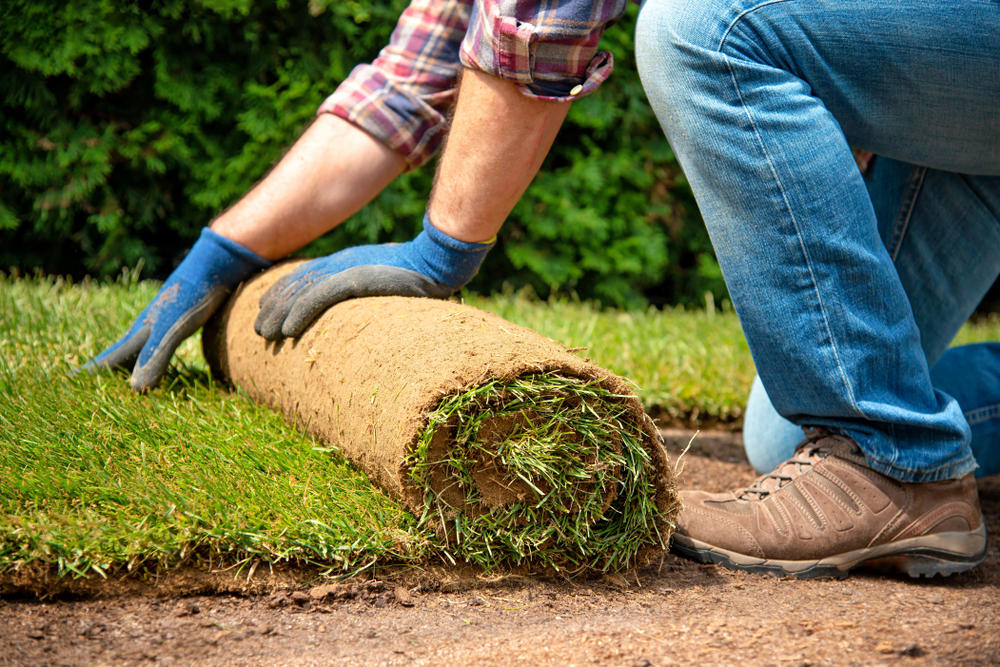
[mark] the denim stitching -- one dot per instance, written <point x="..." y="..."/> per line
<point x="872" y="460"/>
<point x="906" y="210"/>
<point x="896" y="453"/>
<point x="738" y="18"/>
<point x="982" y="414"/>
<point x="798" y="233"/>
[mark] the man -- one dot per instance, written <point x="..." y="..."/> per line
<point x="761" y="101"/>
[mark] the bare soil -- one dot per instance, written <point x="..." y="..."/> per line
<point x="672" y="612"/>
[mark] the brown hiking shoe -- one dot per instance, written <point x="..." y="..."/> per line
<point x="824" y="511"/>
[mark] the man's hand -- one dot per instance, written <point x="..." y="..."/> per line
<point x="332" y="171"/>
<point x="187" y="299"/>
<point x="432" y="265"/>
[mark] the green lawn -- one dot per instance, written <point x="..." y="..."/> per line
<point x="94" y="477"/>
<point x="682" y="362"/>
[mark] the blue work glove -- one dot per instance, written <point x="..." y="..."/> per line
<point x="431" y="265"/>
<point x="195" y="290"/>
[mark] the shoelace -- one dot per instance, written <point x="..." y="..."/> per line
<point x="816" y="447"/>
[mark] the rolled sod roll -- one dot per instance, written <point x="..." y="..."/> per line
<point x="509" y="447"/>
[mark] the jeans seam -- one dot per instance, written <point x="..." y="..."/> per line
<point x="891" y="462"/>
<point x="982" y="414"/>
<point x="798" y="234"/>
<point x="889" y="466"/>
<point x="906" y="210"/>
<point x="739" y="17"/>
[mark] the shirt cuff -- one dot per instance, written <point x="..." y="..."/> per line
<point x="551" y="54"/>
<point x="413" y="126"/>
<point x="403" y="96"/>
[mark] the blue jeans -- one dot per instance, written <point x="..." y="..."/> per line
<point x="970" y="374"/>
<point x="910" y="202"/>
<point x="761" y="102"/>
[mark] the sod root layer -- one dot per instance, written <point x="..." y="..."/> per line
<point x="510" y="448"/>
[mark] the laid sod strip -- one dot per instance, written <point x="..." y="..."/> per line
<point x="535" y="447"/>
<point x="585" y="491"/>
<point x="96" y="479"/>
<point x="89" y="471"/>
<point x="684" y="363"/>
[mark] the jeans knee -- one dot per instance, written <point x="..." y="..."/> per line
<point x="656" y="31"/>
<point x="659" y="59"/>
<point x="686" y="20"/>
<point x="697" y="34"/>
<point x="676" y="57"/>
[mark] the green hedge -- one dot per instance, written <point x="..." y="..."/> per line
<point x="127" y="127"/>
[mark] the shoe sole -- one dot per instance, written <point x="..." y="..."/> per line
<point x="942" y="553"/>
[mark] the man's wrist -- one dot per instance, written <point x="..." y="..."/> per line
<point x="448" y="260"/>
<point x="236" y="249"/>
<point x="221" y="260"/>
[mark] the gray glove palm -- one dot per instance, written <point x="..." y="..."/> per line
<point x="432" y="265"/>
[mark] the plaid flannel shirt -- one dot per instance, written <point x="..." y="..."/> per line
<point x="549" y="49"/>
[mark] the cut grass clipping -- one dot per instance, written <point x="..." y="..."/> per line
<point x="586" y="499"/>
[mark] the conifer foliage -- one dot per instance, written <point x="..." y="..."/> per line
<point x="126" y="126"/>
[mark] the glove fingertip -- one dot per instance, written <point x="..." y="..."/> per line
<point x="309" y="306"/>
<point x="268" y="327"/>
<point x="145" y="378"/>
<point x="142" y="388"/>
<point x="293" y="328"/>
<point x="152" y="365"/>
<point x="122" y="354"/>
<point x="276" y="304"/>
<point x="258" y="324"/>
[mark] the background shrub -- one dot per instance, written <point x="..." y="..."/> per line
<point x="127" y="127"/>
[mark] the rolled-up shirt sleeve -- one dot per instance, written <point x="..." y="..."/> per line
<point x="402" y="97"/>
<point x="549" y="49"/>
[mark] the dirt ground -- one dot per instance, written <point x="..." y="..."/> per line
<point x="673" y="612"/>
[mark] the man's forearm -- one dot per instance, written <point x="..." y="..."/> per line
<point x="497" y="143"/>
<point x="498" y="140"/>
<point x="333" y="170"/>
